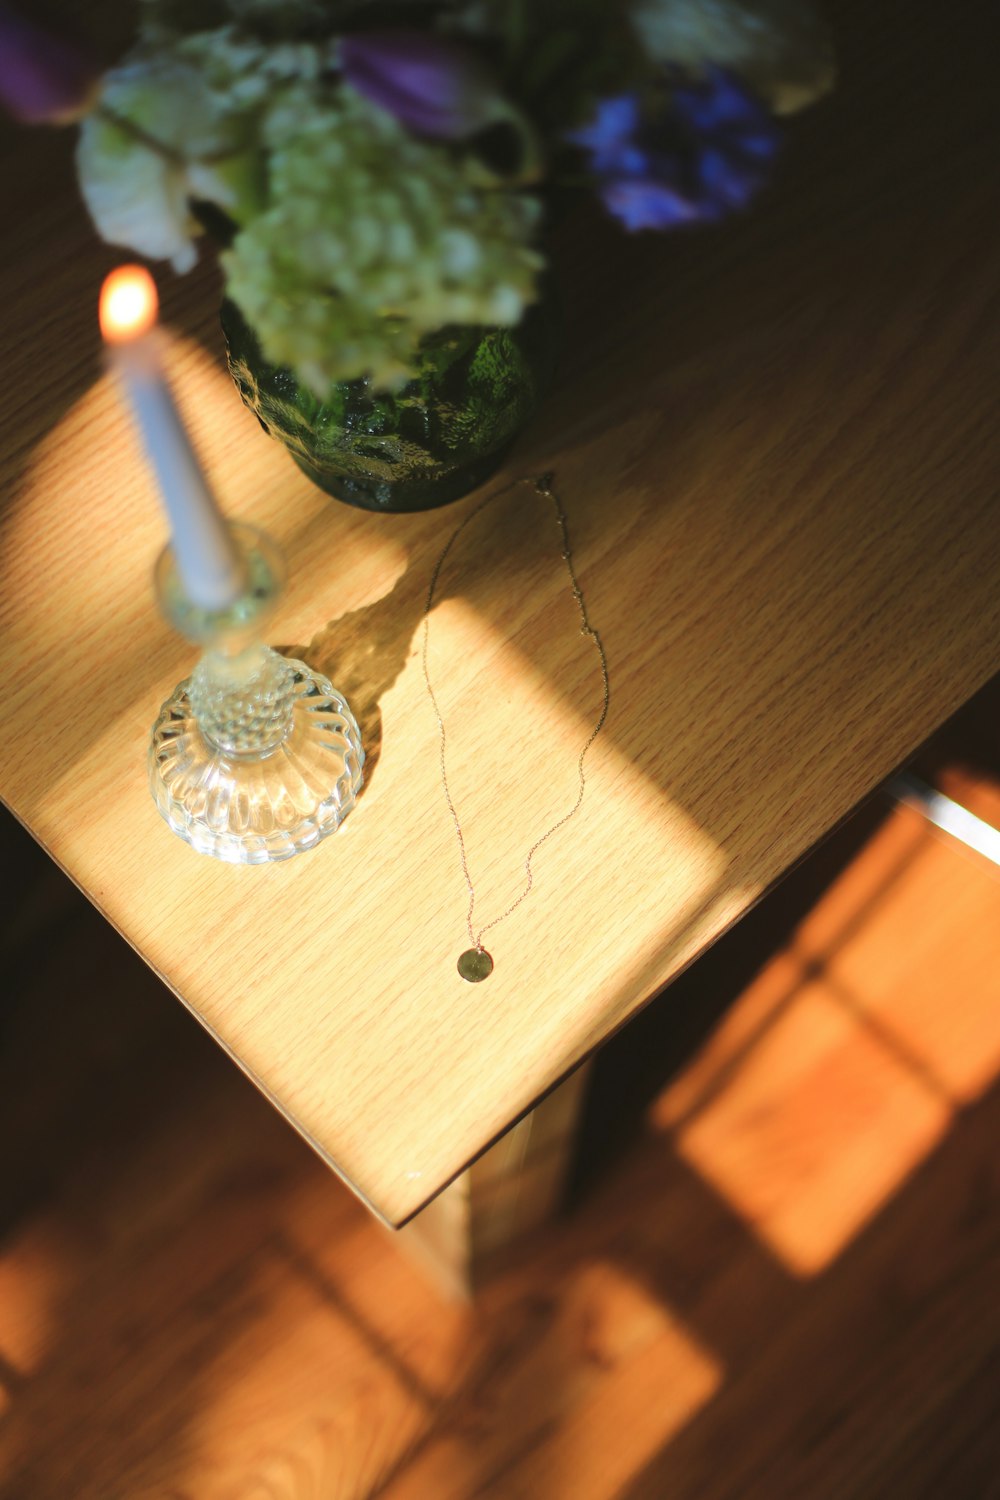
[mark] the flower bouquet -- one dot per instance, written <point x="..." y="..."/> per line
<point x="376" y="176"/>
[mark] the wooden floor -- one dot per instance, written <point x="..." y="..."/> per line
<point x="786" y="1283"/>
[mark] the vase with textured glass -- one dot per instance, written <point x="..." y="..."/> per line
<point x="432" y="440"/>
<point x="380" y="174"/>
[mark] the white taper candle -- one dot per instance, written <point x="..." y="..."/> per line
<point x="209" y="565"/>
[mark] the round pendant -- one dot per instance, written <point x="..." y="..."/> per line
<point x="475" y="964"/>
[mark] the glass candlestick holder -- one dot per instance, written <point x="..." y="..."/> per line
<point x="254" y="757"/>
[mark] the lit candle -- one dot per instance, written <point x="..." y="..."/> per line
<point x="208" y="563"/>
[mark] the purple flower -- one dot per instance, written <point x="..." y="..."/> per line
<point x="42" y="79"/>
<point x="433" y="86"/>
<point x="702" y="156"/>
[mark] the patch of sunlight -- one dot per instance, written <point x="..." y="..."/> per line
<point x="920" y="965"/>
<point x="843" y="1062"/>
<point x="649" y="1376"/>
<point x="80" y="538"/>
<point x="632" y="864"/>
<point x="623" y="894"/>
<point x="810" y="1130"/>
<point x="293" y="1400"/>
<point x="31" y="1284"/>
<point x="580" y="1402"/>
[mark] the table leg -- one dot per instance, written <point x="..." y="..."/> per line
<point x="511" y="1190"/>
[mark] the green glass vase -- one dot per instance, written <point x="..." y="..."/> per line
<point x="425" y="445"/>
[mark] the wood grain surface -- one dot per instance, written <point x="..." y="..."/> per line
<point x="778" y="450"/>
<point x="785" y="1288"/>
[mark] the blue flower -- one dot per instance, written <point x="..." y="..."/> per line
<point x="703" y="155"/>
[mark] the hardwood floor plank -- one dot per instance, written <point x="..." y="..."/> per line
<point x="193" y="1308"/>
<point x="873" y="1360"/>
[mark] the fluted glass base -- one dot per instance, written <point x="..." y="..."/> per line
<point x="248" y="807"/>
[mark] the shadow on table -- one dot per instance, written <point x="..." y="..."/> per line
<point x="363" y="653"/>
<point x="675" y="345"/>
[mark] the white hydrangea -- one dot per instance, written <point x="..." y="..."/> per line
<point x="370" y="240"/>
<point x="134" y="175"/>
<point x="240" y="72"/>
<point x="782" y="47"/>
<point x="177" y="123"/>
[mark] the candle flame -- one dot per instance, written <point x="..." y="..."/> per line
<point x="128" y="305"/>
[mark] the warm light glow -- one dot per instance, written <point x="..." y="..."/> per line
<point x="129" y="304"/>
<point x="812" y="1127"/>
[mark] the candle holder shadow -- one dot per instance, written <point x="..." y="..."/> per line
<point x="366" y="650"/>
<point x="255" y="756"/>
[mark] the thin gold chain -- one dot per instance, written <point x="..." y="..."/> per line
<point x="544" y="486"/>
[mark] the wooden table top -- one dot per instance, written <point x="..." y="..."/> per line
<point x="778" y="450"/>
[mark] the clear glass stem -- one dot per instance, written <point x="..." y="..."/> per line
<point x="255" y="757"/>
<point x="244" y="703"/>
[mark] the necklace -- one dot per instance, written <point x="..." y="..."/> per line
<point x="475" y="963"/>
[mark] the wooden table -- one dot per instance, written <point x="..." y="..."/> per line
<point x="778" y="449"/>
